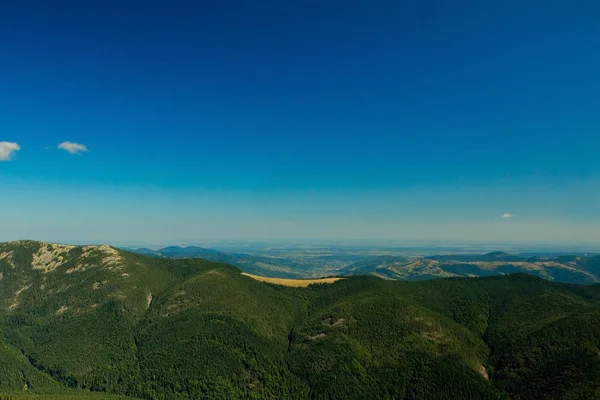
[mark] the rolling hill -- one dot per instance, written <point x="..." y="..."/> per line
<point x="97" y="321"/>
<point x="292" y="264"/>
<point x="265" y="266"/>
<point x="567" y="269"/>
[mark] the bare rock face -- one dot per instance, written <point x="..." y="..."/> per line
<point x="50" y="256"/>
<point x="31" y="271"/>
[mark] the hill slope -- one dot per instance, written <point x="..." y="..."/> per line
<point x="567" y="269"/>
<point x="94" y="318"/>
<point x="265" y="266"/>
<point x="302" y="264"/>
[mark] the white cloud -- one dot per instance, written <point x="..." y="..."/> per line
<point x="7" y="149"/>
<point x="73" y="148"/>
<point x="507" y="215"/>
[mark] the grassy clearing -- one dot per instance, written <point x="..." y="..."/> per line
<point x="291" y="282"/>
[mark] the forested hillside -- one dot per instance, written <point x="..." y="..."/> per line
<point x="76" y="320"/>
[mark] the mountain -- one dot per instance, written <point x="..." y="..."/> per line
<point x="144" y="251"/>
<point x="264" y="266"/>
<point x="81" y="319"/>
<point x="303" y="264"/>
<point x="191" y="251"/>
<point x="564" y="268"/>
<point x="177" y="252"/>
<point x="372" y="264"/>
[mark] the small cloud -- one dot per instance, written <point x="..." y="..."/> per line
<point x="73" y="148"/>
<point x="507" y="215"/>
<point x="7" y="149"/>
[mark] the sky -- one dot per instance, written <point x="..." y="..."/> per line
<point x="129" y="122"/>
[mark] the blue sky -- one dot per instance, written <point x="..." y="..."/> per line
<point x="374" y="119"/>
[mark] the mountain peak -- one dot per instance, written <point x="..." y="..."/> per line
<point x="48" y="257"/>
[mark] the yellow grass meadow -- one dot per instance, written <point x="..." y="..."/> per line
<point x="291" y="282"/>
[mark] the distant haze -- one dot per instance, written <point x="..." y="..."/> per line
<point x="148" y="215"/>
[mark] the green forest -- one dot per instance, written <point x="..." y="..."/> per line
<point x="100" y="323"/>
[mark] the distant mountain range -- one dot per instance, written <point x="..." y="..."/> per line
<point x="558" y="268"/>
<point x="180" y="252"/>
<point x="96" y="322"/>
<point x="266" y="266"/>
<point x="564" y="268"/>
